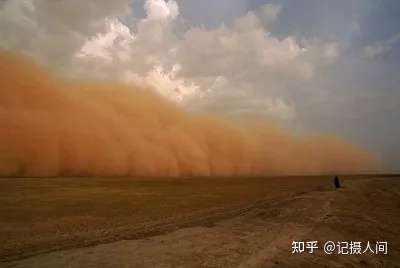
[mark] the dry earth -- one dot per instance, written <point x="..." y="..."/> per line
<point x="197" y="223"/>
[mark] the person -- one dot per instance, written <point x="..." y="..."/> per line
<point x="336" y="182"/>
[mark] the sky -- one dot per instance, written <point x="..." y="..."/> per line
<point x="313" y="66"/>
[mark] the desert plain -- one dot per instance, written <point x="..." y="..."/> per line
<point x="196" y="222"/>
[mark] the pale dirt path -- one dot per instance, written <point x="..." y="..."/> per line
<point x="261" y="236"/>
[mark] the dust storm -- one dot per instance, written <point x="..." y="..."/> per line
<point x="54" y="127"/>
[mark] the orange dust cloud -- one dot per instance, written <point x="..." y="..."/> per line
<point x="53" y="127"/>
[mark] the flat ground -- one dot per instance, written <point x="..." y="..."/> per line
<point x="248" y="222"/>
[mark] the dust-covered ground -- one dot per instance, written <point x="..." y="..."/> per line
<point x="222" y="222"/>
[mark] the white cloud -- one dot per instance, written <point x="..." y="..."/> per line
<point x="164" y="82"/>
<point x="114" y="43"/>
<point x="52" y="31"/>
<point x="207" y="67"/>
<point x="379" y="49"/>
<point x="245" y="48"/>
<point x="161" y="10"/>
<point x="197" y="68"/>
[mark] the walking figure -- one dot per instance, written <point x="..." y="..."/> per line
<point x="336" y="182"/>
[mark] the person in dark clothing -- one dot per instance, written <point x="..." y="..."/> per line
<point x="336" y="182"/>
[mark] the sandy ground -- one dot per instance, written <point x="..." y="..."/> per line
<point x="255" y="233"/>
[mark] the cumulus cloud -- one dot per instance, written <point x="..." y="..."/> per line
<point x="161" y="10"/>
<point x="113" y="44"/>
<point x="52" y="31"/>
<point x="240" y="68"/>
<point x="189" y="66"/>
<point x="166" y="83"/>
